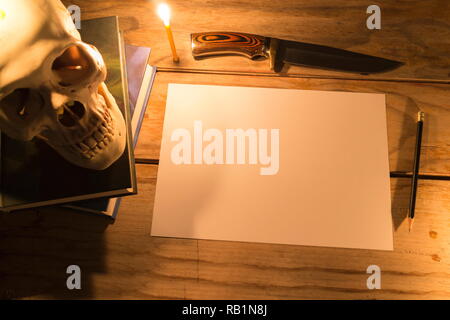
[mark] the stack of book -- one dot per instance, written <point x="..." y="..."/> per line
<point x="34" y="175"/>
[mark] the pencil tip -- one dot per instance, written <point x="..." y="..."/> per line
<point x="411" y="221"/>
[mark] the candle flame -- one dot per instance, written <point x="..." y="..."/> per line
<point x="164" y="13"/>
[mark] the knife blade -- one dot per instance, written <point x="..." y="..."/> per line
<point x="279" y="51"/>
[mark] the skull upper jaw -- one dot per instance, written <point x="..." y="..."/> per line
<point x="103" y="160"/>
<point x="105" y="141"/>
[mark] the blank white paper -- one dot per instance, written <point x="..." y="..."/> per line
<point x="332" y="187"/>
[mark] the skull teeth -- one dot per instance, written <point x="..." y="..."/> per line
<point x="90" y="142"/>
<point x="98" y="135"/>
<point x="99" y="140"/>
<point x="83" y="147"/>
<point x="103" y="129"/>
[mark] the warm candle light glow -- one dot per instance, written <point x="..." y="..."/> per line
<point x="2" y="14"/>
<point x="164" y="13"/>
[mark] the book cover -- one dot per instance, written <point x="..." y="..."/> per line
<point x="137" y="61"/>
<point x="140" y="81"/>
<point x="35" y="175"/>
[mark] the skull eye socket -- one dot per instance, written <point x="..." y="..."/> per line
<point x="71" y="114"/>
<point x="18" y="101"/>
<point x="72" y="66"/>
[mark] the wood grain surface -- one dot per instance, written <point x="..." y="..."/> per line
<point x="403" y="101"/>
<point x="415" y="32"/>
<point x="122" y="261"/>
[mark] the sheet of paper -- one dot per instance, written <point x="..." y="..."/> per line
<point x="306" y="168"/>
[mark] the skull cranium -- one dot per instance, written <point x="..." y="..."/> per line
<point x="52" y="85"/>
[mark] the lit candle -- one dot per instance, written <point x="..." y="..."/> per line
<point x="164" y="14"/>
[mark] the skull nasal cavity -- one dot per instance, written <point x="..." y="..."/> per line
<point x="71" y="114"/>
<point x="72" y="66"/>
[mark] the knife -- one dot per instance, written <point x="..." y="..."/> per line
<point x="280" y="51"/>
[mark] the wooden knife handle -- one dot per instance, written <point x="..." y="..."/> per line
<point x="228" y="43"/>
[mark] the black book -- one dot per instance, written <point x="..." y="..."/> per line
<point x="35" y="175"/>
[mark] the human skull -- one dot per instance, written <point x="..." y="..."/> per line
<point x="52" y="85"/>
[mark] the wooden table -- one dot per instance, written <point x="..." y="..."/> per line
<point x="123" y="261"/>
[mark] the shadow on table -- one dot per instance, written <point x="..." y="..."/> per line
<point x="37" y="246"/>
